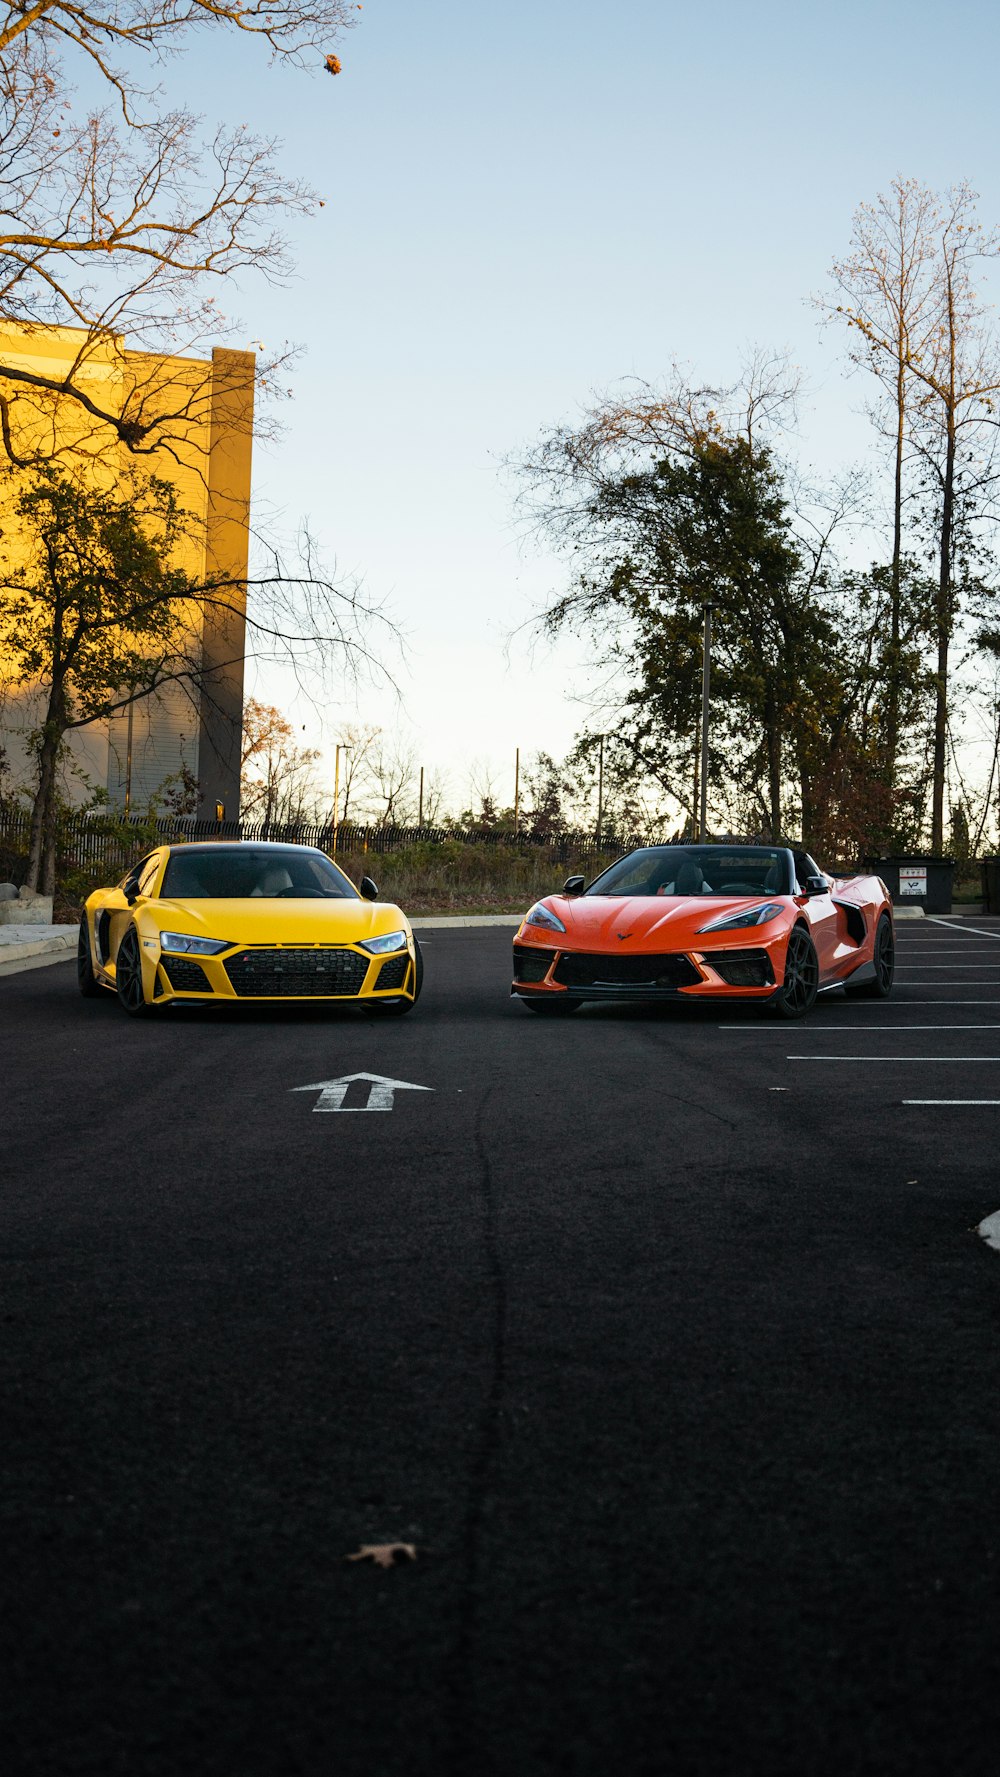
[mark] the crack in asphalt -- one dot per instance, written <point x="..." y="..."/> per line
<point x="485" y="1450"/>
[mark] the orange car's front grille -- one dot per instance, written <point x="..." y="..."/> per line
<point x="742" y="968"/>
<point x="575" y="969"/>
<point x="531" y="963"/>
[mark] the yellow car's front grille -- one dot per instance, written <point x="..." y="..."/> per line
<point x="298" y="973"/>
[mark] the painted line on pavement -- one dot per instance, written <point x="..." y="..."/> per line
<point x="903" y="1059"/>
<point x="869" y="1029"/>
<point x="977" y="931"/>
<point x="950" y="1101"/>
<point x="989" y="1228"/>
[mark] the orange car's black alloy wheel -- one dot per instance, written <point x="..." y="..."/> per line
<point x="801" y="983"/>
<point x="128" y="974"/>
<point x="884" y="960"/>
<point x="885" y="955"/>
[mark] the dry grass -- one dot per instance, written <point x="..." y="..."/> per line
<point x="454" y="878"/>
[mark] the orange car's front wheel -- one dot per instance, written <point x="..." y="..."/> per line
<point x="797" y="994"/>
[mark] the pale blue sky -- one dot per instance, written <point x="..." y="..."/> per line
<point x="526" y="202"/>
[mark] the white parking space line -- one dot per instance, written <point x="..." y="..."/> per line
<point x="869" y="1030"/>
<point x="973" y="931"/>
<point x="995" y="1101"/>
<point x="903" y="1060"/>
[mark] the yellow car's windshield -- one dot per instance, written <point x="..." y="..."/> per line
<point x="253" y="872"/>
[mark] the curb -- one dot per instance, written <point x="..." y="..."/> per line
<point x="38" y="953"/>
<point x="460" y="919"/>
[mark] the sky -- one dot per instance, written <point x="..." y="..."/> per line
<point x="523" y="205"/>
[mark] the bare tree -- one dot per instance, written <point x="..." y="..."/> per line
<point x="390" y="774"/>
<point x="278" y="777"/>
<point x="121" y="223"/>
<point x="889" y="290"/>
<point x="912" y="302"/>
<point x="959" y="381"/>
<point x="358" y="738"/>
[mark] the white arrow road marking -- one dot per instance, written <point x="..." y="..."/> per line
<point x="990" y="1230"/>
<point x="381" y="1092"/>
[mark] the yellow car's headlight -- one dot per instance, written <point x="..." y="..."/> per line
<point x="179" y="941"/>
<point x="388" y="941"/>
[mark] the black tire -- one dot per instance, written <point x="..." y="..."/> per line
<point x="128" y="976"/>
<point x="399" y="1008"/>
<point x="884" y="958"/>
<point x="86" y="980"/>
<point x="554" y="1007"/>
<point x="798" y="991"/>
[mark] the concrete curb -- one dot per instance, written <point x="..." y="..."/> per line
<point x="908" y="913"/>
<point x="44" y="945"/>
<point x="460" y="919"/>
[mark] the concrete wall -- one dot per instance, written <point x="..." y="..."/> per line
<point x="203" y="445"/>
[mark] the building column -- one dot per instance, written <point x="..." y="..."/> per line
<point x="227" y="546"/>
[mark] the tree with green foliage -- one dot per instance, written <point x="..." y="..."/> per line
<point x="93" y="617"/>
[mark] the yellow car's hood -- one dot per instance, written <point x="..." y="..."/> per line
<point x="282" y="921"/>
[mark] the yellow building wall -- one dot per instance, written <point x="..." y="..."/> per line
<point x="192" y="420"/>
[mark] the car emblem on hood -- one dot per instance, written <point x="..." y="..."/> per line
<point x="623" y="935"/>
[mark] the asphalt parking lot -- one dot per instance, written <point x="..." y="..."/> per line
<point x="665" y="1337"/>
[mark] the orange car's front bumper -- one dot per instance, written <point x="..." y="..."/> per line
<point x="751" y="970"/>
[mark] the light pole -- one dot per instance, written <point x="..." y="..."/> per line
<point x="341" y="748"/>
<point x="706" y="675"/>
<point x="420" y="815"/>
<point x="517" y="788"/>
<point x="600" y="786"/>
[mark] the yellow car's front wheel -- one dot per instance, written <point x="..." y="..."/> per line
<point x="128" y="975"/>
<point x="399" y="1008"/>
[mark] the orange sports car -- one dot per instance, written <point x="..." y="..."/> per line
<point x="707" y="922"/>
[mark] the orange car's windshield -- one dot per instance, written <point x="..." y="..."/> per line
<point x="699" y="870"/>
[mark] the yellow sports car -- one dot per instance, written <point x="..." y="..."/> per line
<point x="217" y="923"/>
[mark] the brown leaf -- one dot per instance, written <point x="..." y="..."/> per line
<point x="384" y="1554"/>
<point x="332" y="64"/>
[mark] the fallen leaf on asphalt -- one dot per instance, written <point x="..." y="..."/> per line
<point x="384" y="1554"/>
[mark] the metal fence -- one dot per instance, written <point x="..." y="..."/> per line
<point x="88" y="840"/>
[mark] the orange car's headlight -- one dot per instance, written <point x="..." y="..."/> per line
<point x="750" y="916"/>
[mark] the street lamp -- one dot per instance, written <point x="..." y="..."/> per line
<point x="341" y="748"/>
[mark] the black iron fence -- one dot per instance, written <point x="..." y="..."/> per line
<point x="88" y="840"/>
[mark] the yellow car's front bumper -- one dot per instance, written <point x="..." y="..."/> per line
<point x="278" y="972"/>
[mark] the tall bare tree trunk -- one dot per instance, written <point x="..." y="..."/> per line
<point x="942" y="622"/>
<point x="895" y="625"/>
<point x="772" y="734"/>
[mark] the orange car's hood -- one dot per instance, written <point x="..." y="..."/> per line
<point x="284" y="921"/>
<point x="648" y="922"/>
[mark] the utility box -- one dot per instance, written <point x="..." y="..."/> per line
<point x="916" y="881"/>
<point x="990" y="870"/>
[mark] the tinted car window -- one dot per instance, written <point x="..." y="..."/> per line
<point x="247" y="872"/>
<point x="147" y="874"/>
<point x="141" y="872"/>
<point x="698" y="870"/>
